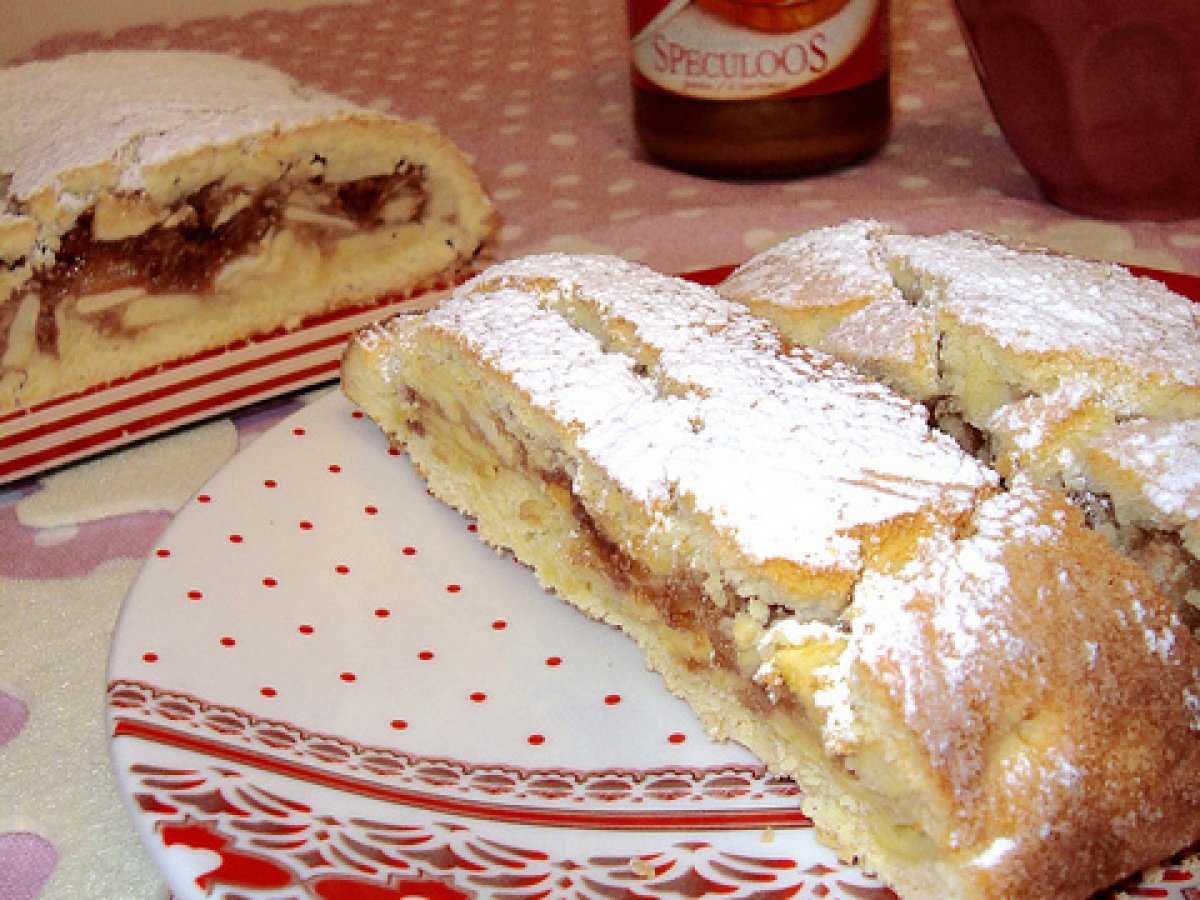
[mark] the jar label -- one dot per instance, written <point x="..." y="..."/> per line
<point x="744" y="49"/>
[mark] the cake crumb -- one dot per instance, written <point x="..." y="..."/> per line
<point x="641" y="868"/>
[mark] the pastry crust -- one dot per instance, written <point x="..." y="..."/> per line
<point x="1035" y="361"/>
<point x="162" y="204"/>
<point x="979" y="696"/>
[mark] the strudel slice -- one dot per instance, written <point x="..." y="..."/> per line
<point x="161" y="204"/>
<point x="979" y="696"/>
<point x="1028" y="357"/>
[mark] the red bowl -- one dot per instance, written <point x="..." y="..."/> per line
<point x="1099" y="99"/>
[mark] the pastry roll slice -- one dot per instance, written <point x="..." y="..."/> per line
<point x="162" y="204"/>
<point x="1026" y="356"/>
<point x="979" y="696"/>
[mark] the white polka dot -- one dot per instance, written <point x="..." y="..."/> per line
<point x="574" y="243"/>
<point x="941" y="26"/>
<point x="507" y="193"/>
<point x="759" y="239"/>
<point x="520" y="65"/>
<point x="914" y="183"/>
<point x="566" y="181"/>
<point x="909" y="102"/>
<point x="510" y="233"/>
<point x="683" y="193"/>
<point x="621" y="186"/>
<point x="563" y="139"/>
<point x="694" y="212"/>
<point x="959" y="162"/>
<point x="516" y="110"/>
<point x="514" y="170"/>
<point x="510" y="130"/>
<point x="624" y="215"/>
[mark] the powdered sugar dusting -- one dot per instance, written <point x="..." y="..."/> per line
<point x="140" y="109"/>
<point x="939" y="641"/>
<point x="1039" y="302"/>
<point x="847" y="253"/>
<point x="1191" y="700"/>
<point x="787" y="453"/>
<point x="934" y="631"/>
<point x="1029" y="422"/>
<point x="995" y="853"/>
<point x="1166" y="456"/>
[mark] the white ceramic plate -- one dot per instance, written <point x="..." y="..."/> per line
<point x="323" y="684"/>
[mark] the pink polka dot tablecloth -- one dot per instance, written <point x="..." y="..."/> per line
<point x="536" y="92"/>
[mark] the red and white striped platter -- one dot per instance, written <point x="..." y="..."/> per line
<point x="213" y="383"/>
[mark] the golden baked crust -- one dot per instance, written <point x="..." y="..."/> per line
<point x="1029" y="358"/>
<point x="979" y="696"/>
<point x="161" y="204"/>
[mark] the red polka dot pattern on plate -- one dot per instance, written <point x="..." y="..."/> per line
<point x="328" y="571"/>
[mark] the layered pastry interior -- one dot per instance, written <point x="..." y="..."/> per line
<point x="1076" y="374"/>
<point x="236" y="205"/>
<point x="979" y="696"/>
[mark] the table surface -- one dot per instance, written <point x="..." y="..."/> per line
<point x="536" y="92"/>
